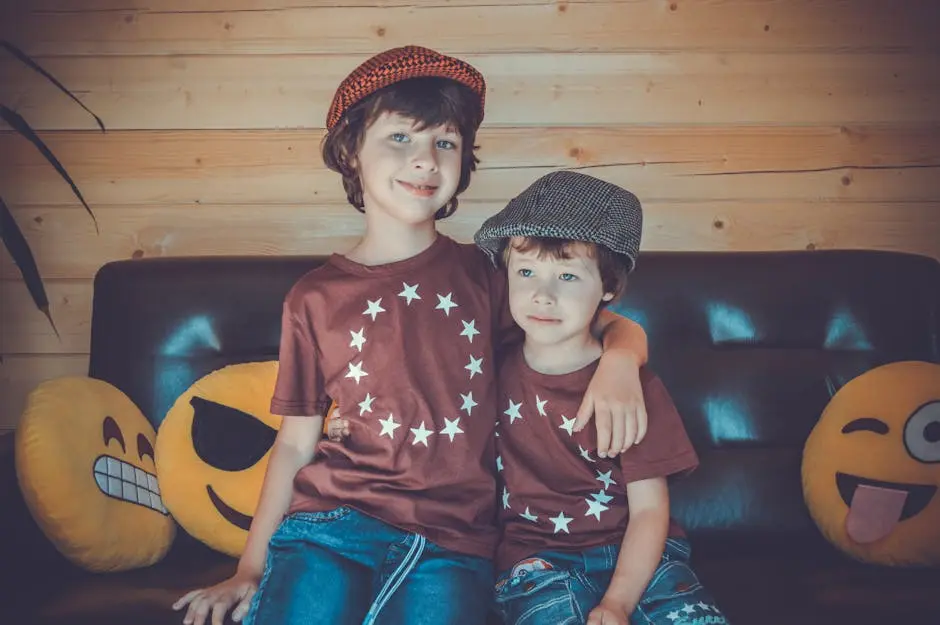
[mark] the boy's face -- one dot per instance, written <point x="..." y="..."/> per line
<point x="407" y="173"/>
<point x="554" y="300"/>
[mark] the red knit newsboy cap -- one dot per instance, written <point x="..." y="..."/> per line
<point x="395" y="65"/>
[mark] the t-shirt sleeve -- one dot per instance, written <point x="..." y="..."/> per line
<point x="298" y="390"/>
<point x="505" y="330"/>
<point x="666" y="449"/>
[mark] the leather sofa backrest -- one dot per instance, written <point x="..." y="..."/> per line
<point x="750" y="345"/>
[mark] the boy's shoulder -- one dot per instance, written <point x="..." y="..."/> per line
<point x="313" y="281"/>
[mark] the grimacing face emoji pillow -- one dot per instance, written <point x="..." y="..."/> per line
<point x="871" y="466"/>
<point x="212" y="452"/>
<point x="85" y="466"/>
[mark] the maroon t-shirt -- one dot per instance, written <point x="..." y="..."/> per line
<point x="405" y="349"/>
<point x="555" y="493"/>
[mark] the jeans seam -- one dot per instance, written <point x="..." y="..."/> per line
<point x="575" y="608"/>
<point x="255" y="603"/>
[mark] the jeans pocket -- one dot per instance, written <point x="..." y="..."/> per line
<point x="536" y="597"/>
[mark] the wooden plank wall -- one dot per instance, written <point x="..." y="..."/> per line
<point x="742" y="124"/>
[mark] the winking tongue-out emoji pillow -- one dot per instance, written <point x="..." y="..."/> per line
<point x="85" y="466"/>
<point x="871" y="466"/>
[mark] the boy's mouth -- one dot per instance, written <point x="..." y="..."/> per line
<point x="545" y="320"/>
<point x="420" y="190"/>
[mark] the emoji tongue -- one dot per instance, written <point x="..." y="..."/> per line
<point x="874" y="512"/>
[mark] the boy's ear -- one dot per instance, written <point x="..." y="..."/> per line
<point x="606" y="297"/>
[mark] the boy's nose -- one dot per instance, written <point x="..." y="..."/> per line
<point x="424" y="158"/>
<point x="543" y="295"/>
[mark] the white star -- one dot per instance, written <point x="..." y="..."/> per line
<point x="505" y="498"/>
<point x="540" y="405"/>
<point x="389" y="426"/>
<point x="586" y="454"/>
<point x="606" y="479"/>
<point x="688" y="609"/>
<point x="705" y="607"/>
<point x="499" y="463"/>
<point x="355" y="371"/>
<point x="602" y="497"/>
<point x="568" y="425"/>
<point x="528" y="516"/>
<point x="474" y="366"/>
<point x="452" y="428"/>
<point x="409" y="292"/>
<point x="358" y="339"/>
<point x="595" y="508"/>
<point x="469" y="329"/>
<point x="561" y="522"/>
<point x="421" y="435"/>
<point x="374" y="308"/>
<point x="366" y="404"/>
<point x="673" y="616"/>
<point x="444" y="303"/>
<point x="468" y="402"/>
<point x="513" y="411"/>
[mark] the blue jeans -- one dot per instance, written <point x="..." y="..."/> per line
<point x="555" y="588"/>
<point x="344" y="567"/>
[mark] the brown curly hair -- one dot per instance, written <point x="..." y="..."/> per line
<point x="430" y="102"/>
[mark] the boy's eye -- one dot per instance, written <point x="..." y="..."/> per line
<point x="525" y="273"/>
<point x="568" y="277"/>
<point x="445" y="144"/>
<point x="399" y="137"/>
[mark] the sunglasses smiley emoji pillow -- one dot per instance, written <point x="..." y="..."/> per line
<point x="212" y="452"/>
<point x="871" y="466"/>
<point x="85" y="466"/>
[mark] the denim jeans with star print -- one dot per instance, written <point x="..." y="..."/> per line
<point x="555" y="588"/>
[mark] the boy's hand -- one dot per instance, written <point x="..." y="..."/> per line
<point x="337" y="428"/>
<point x="608" y="613"/>
<point x="615" y="399"/>
<point x="238" y="589"/>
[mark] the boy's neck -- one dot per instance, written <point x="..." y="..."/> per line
<point x="388" y="241"/>
<point x="562" y="357"/>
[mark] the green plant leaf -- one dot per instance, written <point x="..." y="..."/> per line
<point x="29" y="62"/>
<point x="16" y="244"/>
<point x="20" y="126"/>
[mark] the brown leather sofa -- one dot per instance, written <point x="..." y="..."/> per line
<point x="750" y="344"/>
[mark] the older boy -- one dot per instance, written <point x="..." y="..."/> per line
<point x="583" y="537"/>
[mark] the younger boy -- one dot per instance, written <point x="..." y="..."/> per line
<point x="396" y="524"/>
<point x="583" y="537"/>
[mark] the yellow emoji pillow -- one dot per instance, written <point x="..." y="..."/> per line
<point x="871" y="466"/>
<point x="85" y="466"/>
<point x="212" y="452"/>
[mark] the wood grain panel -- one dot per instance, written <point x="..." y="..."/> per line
<point x="21" y="374"/>
<point x="25" y="330"/>
<point x="292" y="91"/>
<point x="178" y="27"/>
<point x="68" y="247"/>
<point x="688" y="163"/>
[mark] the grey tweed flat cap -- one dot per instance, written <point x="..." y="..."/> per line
<point x="569" y="205"/>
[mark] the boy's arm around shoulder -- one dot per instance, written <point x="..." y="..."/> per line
<point x="615" y="397"/>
